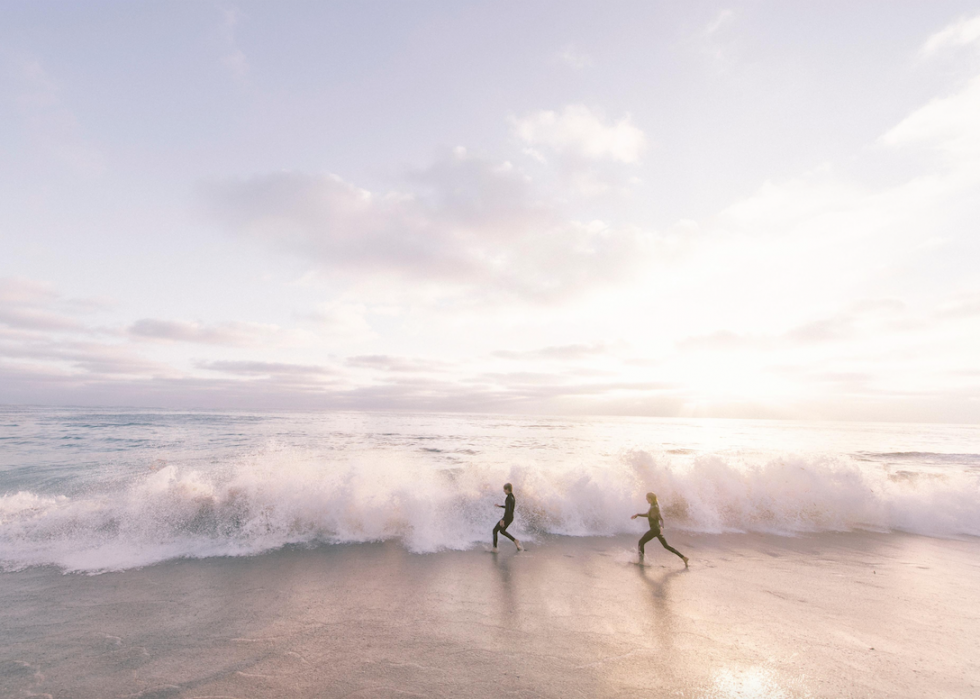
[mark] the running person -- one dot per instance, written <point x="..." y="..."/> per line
<point x="656" y="523"/>
<point x="502" y="525"/>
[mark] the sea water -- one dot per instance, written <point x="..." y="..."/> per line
<point x="95" y="490"/>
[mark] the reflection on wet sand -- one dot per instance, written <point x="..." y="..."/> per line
<point x="658" y="583"/>
<point x="506" y="594"/>
<point x="743" y="683"/>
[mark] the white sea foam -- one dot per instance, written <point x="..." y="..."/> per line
<point x="289" y="496"/>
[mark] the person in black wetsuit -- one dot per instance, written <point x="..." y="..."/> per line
<point x="502" y="525"/>
<point x="656" y="524"/>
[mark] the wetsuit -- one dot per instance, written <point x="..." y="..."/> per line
<point x="653" y="516"/>
<point x="509" y="504"/>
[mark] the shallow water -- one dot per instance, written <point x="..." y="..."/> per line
<point x="96" y="490"/>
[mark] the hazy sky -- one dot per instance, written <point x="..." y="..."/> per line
<point x="752" y="209"/>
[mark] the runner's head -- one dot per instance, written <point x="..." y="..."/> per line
<point x="508" y="488"/>
<point x="652" y="498"/>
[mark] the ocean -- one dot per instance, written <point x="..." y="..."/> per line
<point x="158" y="554"/>
<point x="94" y="490"/>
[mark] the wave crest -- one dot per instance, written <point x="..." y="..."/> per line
<point x="281" y="498"/>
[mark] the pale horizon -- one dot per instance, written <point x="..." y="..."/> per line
<point x="731" y="210"/>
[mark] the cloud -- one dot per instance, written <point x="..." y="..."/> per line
<point x="530" y="387"/>
<point x="578" y="132"/>
<point x="779" y="207"/>
<point x="31" y="305"/>
<point x="343" y="320"/>
<point x="395" y="364"/>
<point x="720" y="20"/>
<point x="93" y="359"/>
<point x="960" y="306"/>
<point x="818" y="241"/>
<point x="876" y="317"/>
<point x="827" y="330"/>
<point x="466" y="224"/>
<point x="850" y="379"/>
<point x="41" y="334"/>
<point x="234" y="59"/>
<point x="811" y="333"/>
<point x="950" y="124"/>
<point x="722" y="340"/>
<point x="558" y="352"/>
<point x="575" y="59"/>
<point x="228" y="333"/>
<point x="963" y="32"/>
<point x="260" y="385"/>
<point x="248" y="368"/>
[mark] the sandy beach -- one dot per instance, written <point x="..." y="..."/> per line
<point x="830" y="615"/>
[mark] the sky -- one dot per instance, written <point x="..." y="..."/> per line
<point x="738" y="209"/>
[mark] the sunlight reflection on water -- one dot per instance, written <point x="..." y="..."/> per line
<point x="747" y="683"/>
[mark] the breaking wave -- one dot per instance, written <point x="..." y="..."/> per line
<point x="287" y="497"/>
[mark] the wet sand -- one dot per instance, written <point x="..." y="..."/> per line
<point x="842" y="615"/>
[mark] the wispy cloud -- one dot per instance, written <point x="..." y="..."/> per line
<point x="826" y="330"/>
<point x="234" y="59"/>
<point x="575" y="59"/>
<point x="229" y="333"/>
<point x="249" y="368"/>
<point x="579" y="131"/>
<point x="962" y="305"/>
<point x="723" y="18"/>
<point x="722" y="341"/>
<point x="950" y="125"/>
<point x="963" y="32"/>
<point x="557" y="352"/>
<point x="872" y="317"/>
<point x="386" y="362"/>
<point x="81" y="358"/>
<point x="32" y="305"/>
<point x="342" y="319"/>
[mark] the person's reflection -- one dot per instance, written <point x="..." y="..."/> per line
<point x="507" y="603"/>
<point x="660" y="607"/>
